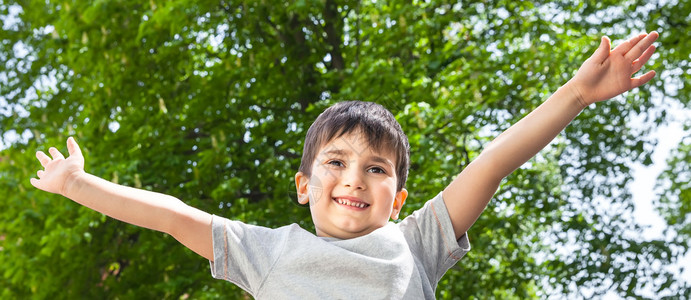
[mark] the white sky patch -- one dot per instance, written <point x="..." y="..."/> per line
<point x="113" y="126"/>
<point x="11" y="20"/>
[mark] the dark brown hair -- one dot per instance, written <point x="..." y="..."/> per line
<point x="376" y="123"/>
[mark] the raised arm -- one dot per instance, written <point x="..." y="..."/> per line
<point x="66" y="176"/>
<point x="602" y="76"/>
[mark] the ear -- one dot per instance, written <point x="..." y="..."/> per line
<point x="301" y="181"/>
<point x="398" y="203"/>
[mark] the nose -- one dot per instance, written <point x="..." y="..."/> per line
<point x="354" y="179"/>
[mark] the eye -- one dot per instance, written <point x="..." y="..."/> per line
<point x="376" y="170"/>
<point x="335" y="163"/>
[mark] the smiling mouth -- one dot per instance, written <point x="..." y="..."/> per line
<point x="351" y="203"/>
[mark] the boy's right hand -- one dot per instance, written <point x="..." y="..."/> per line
<point x="59" y="172"/>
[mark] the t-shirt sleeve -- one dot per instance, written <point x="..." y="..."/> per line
<point x="431" y="237"/>
<point x="244" y="254"/>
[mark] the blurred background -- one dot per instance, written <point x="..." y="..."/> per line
<point x="209" y="101"/>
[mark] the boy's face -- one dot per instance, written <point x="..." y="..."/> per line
<point x="352" y="188"/>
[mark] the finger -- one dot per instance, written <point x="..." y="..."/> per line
<point x="55" y="153"/>
<point x="602" y="51"/>
<point x="641" y="61"/>
<point x="642" y="46"/>
<point x="34" y="182"/>
<point x="624" y="47"/>
<point x="73" y="147"/>
<point x="39" y="173"/>
<point x="643" y="79"/>
<point x="43" y="158"/>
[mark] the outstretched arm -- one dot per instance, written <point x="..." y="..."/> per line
<point x="602" y="76"/>
<point x="66" y="176"/>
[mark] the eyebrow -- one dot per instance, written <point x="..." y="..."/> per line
<point x="338" y="152"/>
<point x="382" y="160"/>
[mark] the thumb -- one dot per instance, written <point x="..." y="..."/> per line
<point x="602" y="52"/>
<point x="35" y="183"/>
<point x="72" y="147"/>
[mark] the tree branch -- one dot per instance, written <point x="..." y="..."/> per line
<point x="333" y="34"/>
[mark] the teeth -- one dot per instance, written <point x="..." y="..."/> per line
<point x="353" y="204"/>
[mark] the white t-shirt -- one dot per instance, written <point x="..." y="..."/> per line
<point x="398" y="261"/>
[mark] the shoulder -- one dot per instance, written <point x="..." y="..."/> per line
<point x="433" y="210"/>
<point x="222" y="228"/>
<point x="431" y="225"/>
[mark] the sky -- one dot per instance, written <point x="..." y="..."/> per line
<point x="643" y="186"/>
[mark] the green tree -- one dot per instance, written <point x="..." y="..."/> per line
<point x="209" y="101"/>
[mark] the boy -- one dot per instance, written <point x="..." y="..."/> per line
<point x="353" y="173"/>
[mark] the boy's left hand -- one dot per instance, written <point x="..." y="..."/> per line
<point x="608" y="73"/>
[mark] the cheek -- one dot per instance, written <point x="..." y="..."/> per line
<point x="324" y="174"/>
<point x="315" y="193"/>
<point x="386" y="187"/>
<point x="319" y="185"/>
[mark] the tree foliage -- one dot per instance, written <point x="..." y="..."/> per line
<point x="209" y="101"/>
